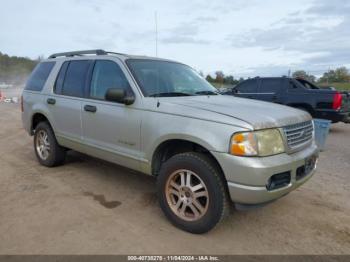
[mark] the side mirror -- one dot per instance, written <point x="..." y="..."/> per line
<point x="119" y="95"/>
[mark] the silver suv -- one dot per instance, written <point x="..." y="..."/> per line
<point x="161" y="118"/>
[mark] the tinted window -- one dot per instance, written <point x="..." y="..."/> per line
<point x="248" y="86"/>
<point x="39" y="76"/>
<point x="74" y="81"/>
<point x="270" y="85"/>
<point x="60" y="78"/>
<point x="292" y="85"/>
<point x="307" y="84"/>
<point x="107" y="74"/>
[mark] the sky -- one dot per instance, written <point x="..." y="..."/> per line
<point x="245" y="38"/>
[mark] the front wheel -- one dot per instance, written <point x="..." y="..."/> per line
<point x="191" y="192"/>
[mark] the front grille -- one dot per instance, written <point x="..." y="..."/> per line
<point x="298" y="134"/>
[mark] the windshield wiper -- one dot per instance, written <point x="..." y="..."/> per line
<point x="169" y="94"/>
<point x="208" y="92"/>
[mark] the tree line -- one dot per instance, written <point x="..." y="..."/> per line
<point x="338" y="75"/>
<point x="14" y="70"/>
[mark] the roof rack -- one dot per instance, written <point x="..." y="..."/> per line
<point x="79" y="53"/>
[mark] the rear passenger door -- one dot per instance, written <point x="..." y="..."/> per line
<point x="112" y="130"/>
<point x="269" y="89"/>
<point x="65" y="104"/>
<point x="247" y="89"/>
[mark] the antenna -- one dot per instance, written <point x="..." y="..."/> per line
<point x="156" y="24"/>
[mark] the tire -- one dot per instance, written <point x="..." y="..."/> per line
<point x="207" y="189"/>
<point x="48" y="152"/>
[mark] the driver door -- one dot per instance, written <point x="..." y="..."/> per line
<point x="111" y="128"/>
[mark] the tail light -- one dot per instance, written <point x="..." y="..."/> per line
<point x="22" y="110"/>
<point x="338" y="98"/>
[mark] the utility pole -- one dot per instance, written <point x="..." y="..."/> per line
<point x="156" y="24"/>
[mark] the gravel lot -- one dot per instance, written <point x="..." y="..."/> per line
<point x="89" y="206"/>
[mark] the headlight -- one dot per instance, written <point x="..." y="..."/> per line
<point x="257" y="143"/>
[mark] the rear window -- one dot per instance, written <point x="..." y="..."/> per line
<point x="75" y="78"/>
<point x="39" y="76"/>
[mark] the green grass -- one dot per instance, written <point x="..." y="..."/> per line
<point x="338" y="86"/>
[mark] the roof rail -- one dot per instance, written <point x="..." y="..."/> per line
<point x="79" y="53"/>
<point x="115" y="53"/>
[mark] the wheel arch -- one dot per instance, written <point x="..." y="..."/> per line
<point x="38" y="117"/>
<point x="170" y="147"/>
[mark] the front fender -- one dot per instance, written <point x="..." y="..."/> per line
<point x="159" y="128"/>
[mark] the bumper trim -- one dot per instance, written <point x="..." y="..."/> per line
<point x="256" y="196"/>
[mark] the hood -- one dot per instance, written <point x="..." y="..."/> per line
<point x="218" y="108"/>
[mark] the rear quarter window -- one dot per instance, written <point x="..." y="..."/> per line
<point x="39" y="76"/>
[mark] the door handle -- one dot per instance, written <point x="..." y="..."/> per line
<point x="51" y="101"/>
<point x="90" y="108"/>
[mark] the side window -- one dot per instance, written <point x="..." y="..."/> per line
<point x="292" y="86"/>
<point x="75" y="78"/>
<point x="39" y="76"/>
<point x="270" y="85"/>
<point x="107" y="74"/>
<point x="249" y="86"/>
<point x="60" y="78"/>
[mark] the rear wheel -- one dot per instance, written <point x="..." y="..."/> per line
<point x="48" y="152"/>
<point x="192" y="193"/>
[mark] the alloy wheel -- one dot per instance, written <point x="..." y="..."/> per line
<point x="42" y="144"/>
<point x="187" y="195"/>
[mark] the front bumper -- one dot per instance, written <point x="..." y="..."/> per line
<point x="248" y="177"/>
<point x="332" y="115"/>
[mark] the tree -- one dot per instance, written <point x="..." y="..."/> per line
<point x="219" y="77"/>
<point x="209" y="78"/>
<point x="340" y="75"/>
<point x="304" y="75"/>
<point x="15" y="70"/>
<point x="228" y="80"/>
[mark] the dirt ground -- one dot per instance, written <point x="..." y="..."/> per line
<point x="89" y="206"/>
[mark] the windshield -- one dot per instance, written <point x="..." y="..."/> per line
<point x="165" y="79"/>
